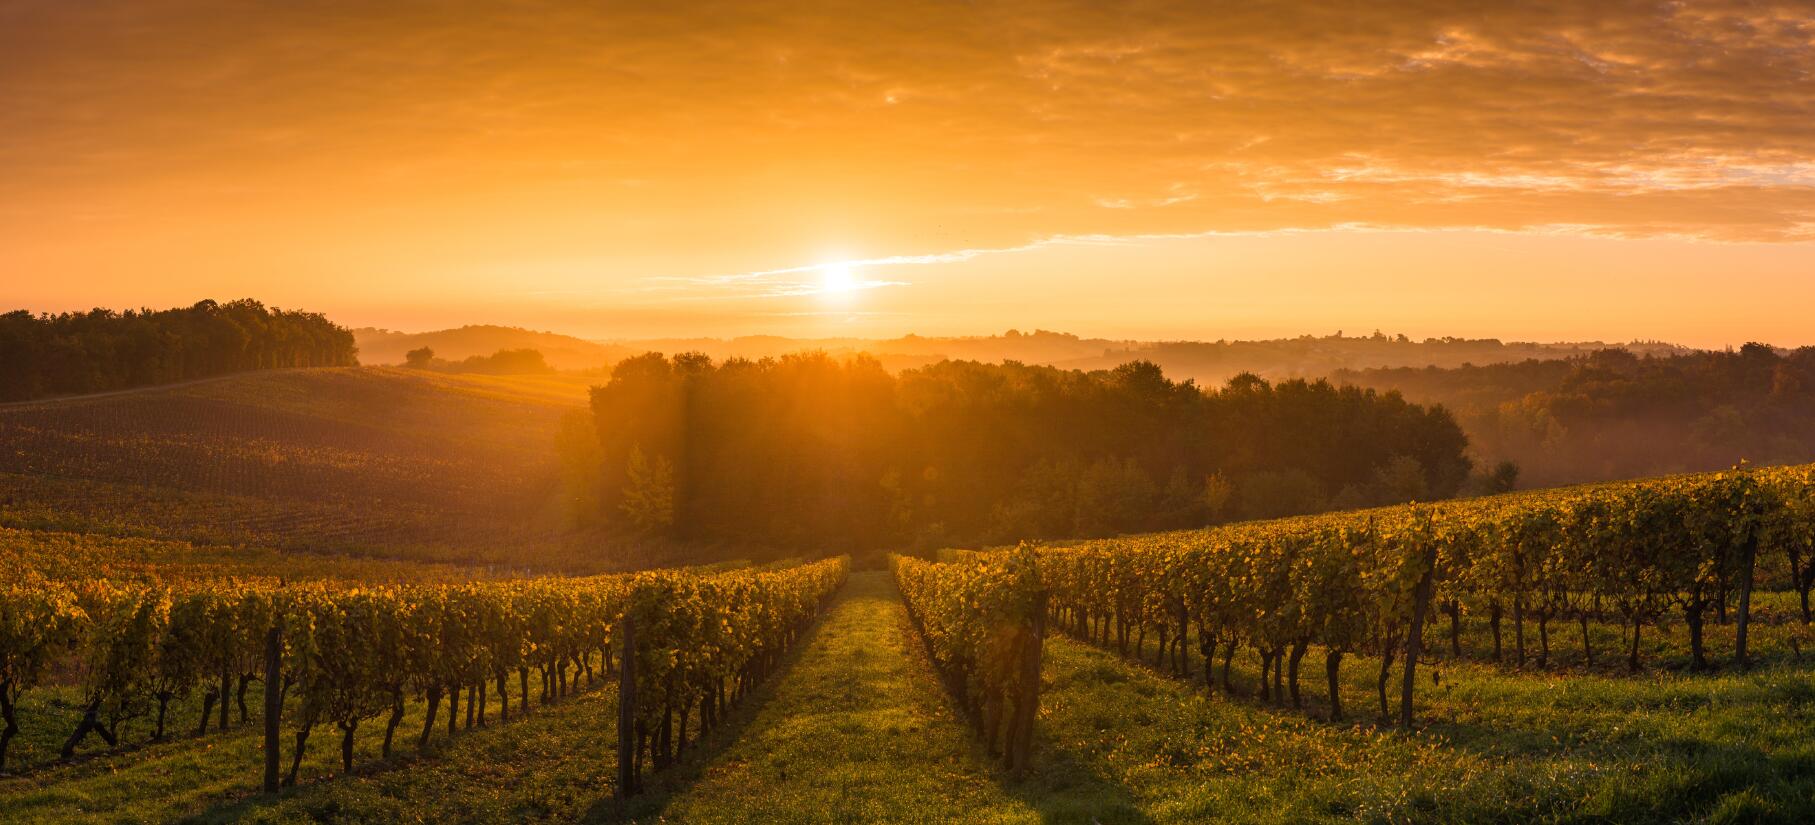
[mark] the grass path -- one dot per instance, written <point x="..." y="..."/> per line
<point x="858" y="730"/>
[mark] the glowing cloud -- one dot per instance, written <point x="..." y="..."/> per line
<point x="382" y="156"/>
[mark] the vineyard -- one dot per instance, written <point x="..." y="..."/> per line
<point x="1627" y="652"/>
<point x="1483" y="583"/>
<point x="984" y="624"/>
<point x="69" y="556"/>
<point x="343" y="653"/>
<point x="1379" y="581"/>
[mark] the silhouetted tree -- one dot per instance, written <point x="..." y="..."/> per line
<point x="808" y="450"/>
<point x="1503" y="478"/>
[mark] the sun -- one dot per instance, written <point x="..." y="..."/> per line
<point x="837" y="279"/>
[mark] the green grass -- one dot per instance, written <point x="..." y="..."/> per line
<point x="857" y="728"/>
<point x="557" y="766"/>
<point x="217" y="776"/>
<point x="1121" y="743"/>
<point x="1493" y="747"/>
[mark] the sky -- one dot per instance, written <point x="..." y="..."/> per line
<point x="1527" y="171"/>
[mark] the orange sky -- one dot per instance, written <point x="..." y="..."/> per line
<point x="1552" y="171"/>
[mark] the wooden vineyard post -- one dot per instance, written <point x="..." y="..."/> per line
<point x="627" y="712"/>
<point x="1027" y="703"/>
<point x="1414" y="638"/>
<point x="274" y="700"/>
<point x="1748" y="561"/>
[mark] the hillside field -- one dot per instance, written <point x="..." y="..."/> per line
<point x="370" y="461"/>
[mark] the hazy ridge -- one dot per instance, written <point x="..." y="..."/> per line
<point x="1207" y="362"/>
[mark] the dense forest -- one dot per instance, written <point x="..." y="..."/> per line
<point x="813" y="450"/>
<point x="1612" y="414"/>
<point x="100" y="350"/>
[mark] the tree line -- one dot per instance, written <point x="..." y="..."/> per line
<point x="72" y="353"/>
<point x="1615" y="414"/>
<point x="812" y="450"/>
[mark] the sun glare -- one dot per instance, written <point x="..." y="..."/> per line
<point x="837" y="279"/>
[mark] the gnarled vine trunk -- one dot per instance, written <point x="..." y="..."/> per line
<point x="1332" y="666"/>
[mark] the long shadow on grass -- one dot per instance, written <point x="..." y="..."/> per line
<point x="1363" y="711"/>
<point x="1685" y="776"/>
<point x="50" y="714"/>
<point x="1060" y="785"/>
<point x="1064" y="788"/>
<point x="659" y="789"/>
<point x="1595" y="723"/>
<point x="406" y="757"/>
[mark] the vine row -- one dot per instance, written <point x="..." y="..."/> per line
<point x="327" y="652"/>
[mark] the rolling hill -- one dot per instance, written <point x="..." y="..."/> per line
<point x="563" y="352"/>
<point x="373" y="461"/>
<point x="1207" y="362"/>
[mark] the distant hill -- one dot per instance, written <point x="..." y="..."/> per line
<point x="895" y="354"/>
<point x="372" y="461"/>
<point x="563" y="352"/>
<point x="1614" y="414"/>
<point x="1207" y="362"/>
<point x="1319" y="357"/>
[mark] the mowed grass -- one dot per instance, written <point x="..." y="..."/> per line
<point x="859" y="730"/>
<point x="1492" y="746"/>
